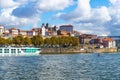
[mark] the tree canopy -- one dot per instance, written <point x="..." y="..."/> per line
<point x="39" y="41"/>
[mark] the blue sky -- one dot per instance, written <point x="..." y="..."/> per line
<point x="99" y="17"/>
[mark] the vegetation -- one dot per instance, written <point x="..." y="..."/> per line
<point x="19" y="40"/>
<point x="2" y="41"/>
<point x="39" y="41"/>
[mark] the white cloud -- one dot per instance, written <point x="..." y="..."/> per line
<point x="81" y="13"/>
<point x="91" y="28"/>
<point x="113" y="1"/>
<point x="114" y="11"/>
<point x="83" y="8"/>
<point x="11" y="21"/>
<point x="51" y="5"/>
<point x="8" y="3"/>
<point x="25" y="12"/>
<point x="101" y="20"/>
<point x="99" y="17"/>
<point x="84" y="13"/>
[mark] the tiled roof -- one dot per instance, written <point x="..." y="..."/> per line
<point x="108" y="39"/>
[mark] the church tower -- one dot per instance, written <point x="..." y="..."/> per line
<point x="43" y="30"/>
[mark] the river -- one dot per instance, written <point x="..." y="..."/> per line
<point x="61" y="67"/>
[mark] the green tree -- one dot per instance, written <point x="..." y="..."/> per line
<point x="19" y="40"/>
<point x="9" y="41"/>
<point x="74" y="41"/>
<point x="54" y="41"/>
<point x="27" y="41"/>
<point x="2" y="41"/>
<point x="47" y="41"/>
<point x="64" y="41"/>
<point x="37" y="40"/>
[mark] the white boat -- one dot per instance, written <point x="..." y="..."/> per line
<point x="19" y="51"/>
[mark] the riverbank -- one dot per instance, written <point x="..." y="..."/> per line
<point x="76" y="50"/>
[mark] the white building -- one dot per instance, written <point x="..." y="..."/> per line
<point x="1" y="29"/>
<point x="109" y="43"/>
<point x="14" y="32"/>
<point x="23" y="33"/>
<point x="43" y="31"/>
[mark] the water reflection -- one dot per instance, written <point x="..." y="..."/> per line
<point x="60" y="67"/>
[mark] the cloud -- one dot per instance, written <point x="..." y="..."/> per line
<point x="26" y="12"/>
<point x="8" y="3"/>
<point x="81" y="13"/>
<point x="100" y="20"/>
<point x="104" y="20"/>
<point x="84" y="13"/>
<point x="9" y="20"/>
<point x="20" y="15"/>
<point x="52" y="5"/>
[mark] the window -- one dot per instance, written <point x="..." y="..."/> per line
<point x="18" y="51"/>
<point x="13" y="50"/>
<point x="0" y="50"/>
<point x="6" y="50"/>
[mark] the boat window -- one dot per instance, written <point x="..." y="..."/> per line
<point x="30" y="50"/>
<point x="13" y="50"/>
<point x="0" y="50"/>
<point x="6" y="50"/>
<point x="18" y="51"/>
<point x="39" y="49"/>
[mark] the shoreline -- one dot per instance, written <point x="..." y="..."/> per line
<point x="75" y="53"/>
<point x="76" y="50"/>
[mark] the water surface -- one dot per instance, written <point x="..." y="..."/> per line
<point x="61" y="67"/>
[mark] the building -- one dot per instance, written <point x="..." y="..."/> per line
<point x="43" y="31"/>
<point x="118" y="43"/>
<point x="36" y="31"/>
<point x="1" y="30"/>
<point x="29" y="33"/>
<point x="86" y="38"/>
<point x="23" y="33"/>
<point x="14" y="32"/>
<point x="96" y="41"/>
<point x="109" y="43"/>
<point x="68" y="28"/>
<point x="76" y="33"/>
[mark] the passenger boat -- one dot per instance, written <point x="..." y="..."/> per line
<point x="19" y="51"/>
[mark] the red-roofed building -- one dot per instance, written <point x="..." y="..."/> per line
<point x="109" y="43"/>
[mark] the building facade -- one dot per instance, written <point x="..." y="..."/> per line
<point x="1" y="30"/>
<point x="68" y="28"/>
<point x="109" y="43"/>
<point x="14" y="32"/>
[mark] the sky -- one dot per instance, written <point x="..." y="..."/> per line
<point x="99" y="17"/>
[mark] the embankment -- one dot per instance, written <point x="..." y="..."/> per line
<point x="76" y="50"/>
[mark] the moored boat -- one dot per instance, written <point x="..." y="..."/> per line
<point x="19" y="51"/>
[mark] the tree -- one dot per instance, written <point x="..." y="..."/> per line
<point x="64" y="41"/>
<point x="54" y="41"/>
<point x="2" y="41"/>
<point x="74" y="41"/>
<point x="8" y="41"/>
<point x="37" y="40"/>
<point x="47" y="41"/>
<point x="27" y="41"/>
<point x="19" y="40"/>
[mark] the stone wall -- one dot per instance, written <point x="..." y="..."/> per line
<point x="77" y="50"/>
